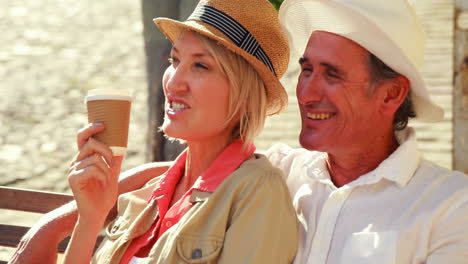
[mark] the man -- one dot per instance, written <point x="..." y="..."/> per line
<point x="362" y="192"/>
<point x="367" y="196"/>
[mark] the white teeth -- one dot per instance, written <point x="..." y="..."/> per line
<point x="178" y="106"/>
<point x="319" y="116"/>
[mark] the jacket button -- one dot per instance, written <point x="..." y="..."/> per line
<point x="197" y="253"/>
<point x="115" y="228"/>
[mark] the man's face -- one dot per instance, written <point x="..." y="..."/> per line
<point x="337" y="107"/>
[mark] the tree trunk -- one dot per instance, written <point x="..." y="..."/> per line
<point x="157" y="49"/>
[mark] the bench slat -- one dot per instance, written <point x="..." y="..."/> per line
<point x="12" y="234"/>
<point x="31" y="201"/>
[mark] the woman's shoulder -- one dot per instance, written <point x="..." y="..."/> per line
<point x="257" y="162"/>
<point x="257" y="179"/>
<point x="257" y="169"/>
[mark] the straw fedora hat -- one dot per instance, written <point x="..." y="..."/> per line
<point x="388" y="29"/>
<point x="249" y="28"/>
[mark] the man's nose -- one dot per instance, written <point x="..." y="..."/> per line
<point x="309" y="89"/>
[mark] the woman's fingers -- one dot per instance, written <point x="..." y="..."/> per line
<point x="93" y="160"/>
<point x="80" y="179"/>
<point x="88" y="146"/>
<point x="93" y="175"/>
<point x="93" y="146"/>
<point x="86" y="132"/>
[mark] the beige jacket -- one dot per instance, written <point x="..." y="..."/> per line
<point x="248" y="219"/>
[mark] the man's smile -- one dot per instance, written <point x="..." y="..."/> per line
<point x="322" y="116"/>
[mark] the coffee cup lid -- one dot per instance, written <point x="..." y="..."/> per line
<point x="108" y="94"/>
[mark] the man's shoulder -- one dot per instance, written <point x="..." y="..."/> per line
<point x="281" y="153"/>
<point x="299" y="165"/>
<point x="431" y="170"/>
<point x="443" y="183"/>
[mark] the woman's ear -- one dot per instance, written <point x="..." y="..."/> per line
<point x="394" y="92"/>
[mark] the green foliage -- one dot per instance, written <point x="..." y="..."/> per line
<point x="276" y="3"/>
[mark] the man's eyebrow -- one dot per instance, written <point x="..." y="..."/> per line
<point x="332" y="68"/>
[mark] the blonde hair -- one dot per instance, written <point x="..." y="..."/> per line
<point x="247" y="94"/>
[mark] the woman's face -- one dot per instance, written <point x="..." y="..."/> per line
<point x="197" y="93"/>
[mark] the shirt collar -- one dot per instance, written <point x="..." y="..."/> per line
<point x="400" y="166"/>
<point x="226" y="163"/>
<point x="170" y="179"/>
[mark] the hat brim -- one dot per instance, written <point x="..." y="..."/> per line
<point x="301" y="18"/>
<point x="275" y="90"/>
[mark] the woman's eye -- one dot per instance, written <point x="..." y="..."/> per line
<point x="172" y="60"/>
<point x="201" y="66"/>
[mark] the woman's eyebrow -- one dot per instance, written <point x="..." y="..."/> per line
<point x="197" y="55"/>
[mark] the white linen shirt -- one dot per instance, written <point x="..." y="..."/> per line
<point x="407" y="210"/>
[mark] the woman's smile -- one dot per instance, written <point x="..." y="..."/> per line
<point x="175" y="106"/>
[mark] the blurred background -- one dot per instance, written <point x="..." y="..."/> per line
<point x="53" y="51"/>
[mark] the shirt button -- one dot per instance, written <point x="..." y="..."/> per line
<point x="168" y="224"/>
<point x="197" y="254"/>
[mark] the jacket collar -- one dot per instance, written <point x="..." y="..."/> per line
<point x="226" y="163"/>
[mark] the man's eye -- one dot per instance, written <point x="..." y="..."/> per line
<point x="333" y="75"/>
<point x="306" y="71"/>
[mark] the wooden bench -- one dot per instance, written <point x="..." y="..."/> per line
<point x="28" y="201"/>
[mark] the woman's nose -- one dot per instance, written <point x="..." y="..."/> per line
<point x="175" y="80"/>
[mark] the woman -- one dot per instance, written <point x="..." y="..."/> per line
<point x="219" y="202"/>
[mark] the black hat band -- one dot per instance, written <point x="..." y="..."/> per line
<point x="234" y="30"/>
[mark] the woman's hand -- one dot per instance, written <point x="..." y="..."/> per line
<point x="93" y="176"/>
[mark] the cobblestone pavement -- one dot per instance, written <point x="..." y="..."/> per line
<point x="51" y="53"/>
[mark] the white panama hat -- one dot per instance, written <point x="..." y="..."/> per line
<point x="389" y="29"/>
